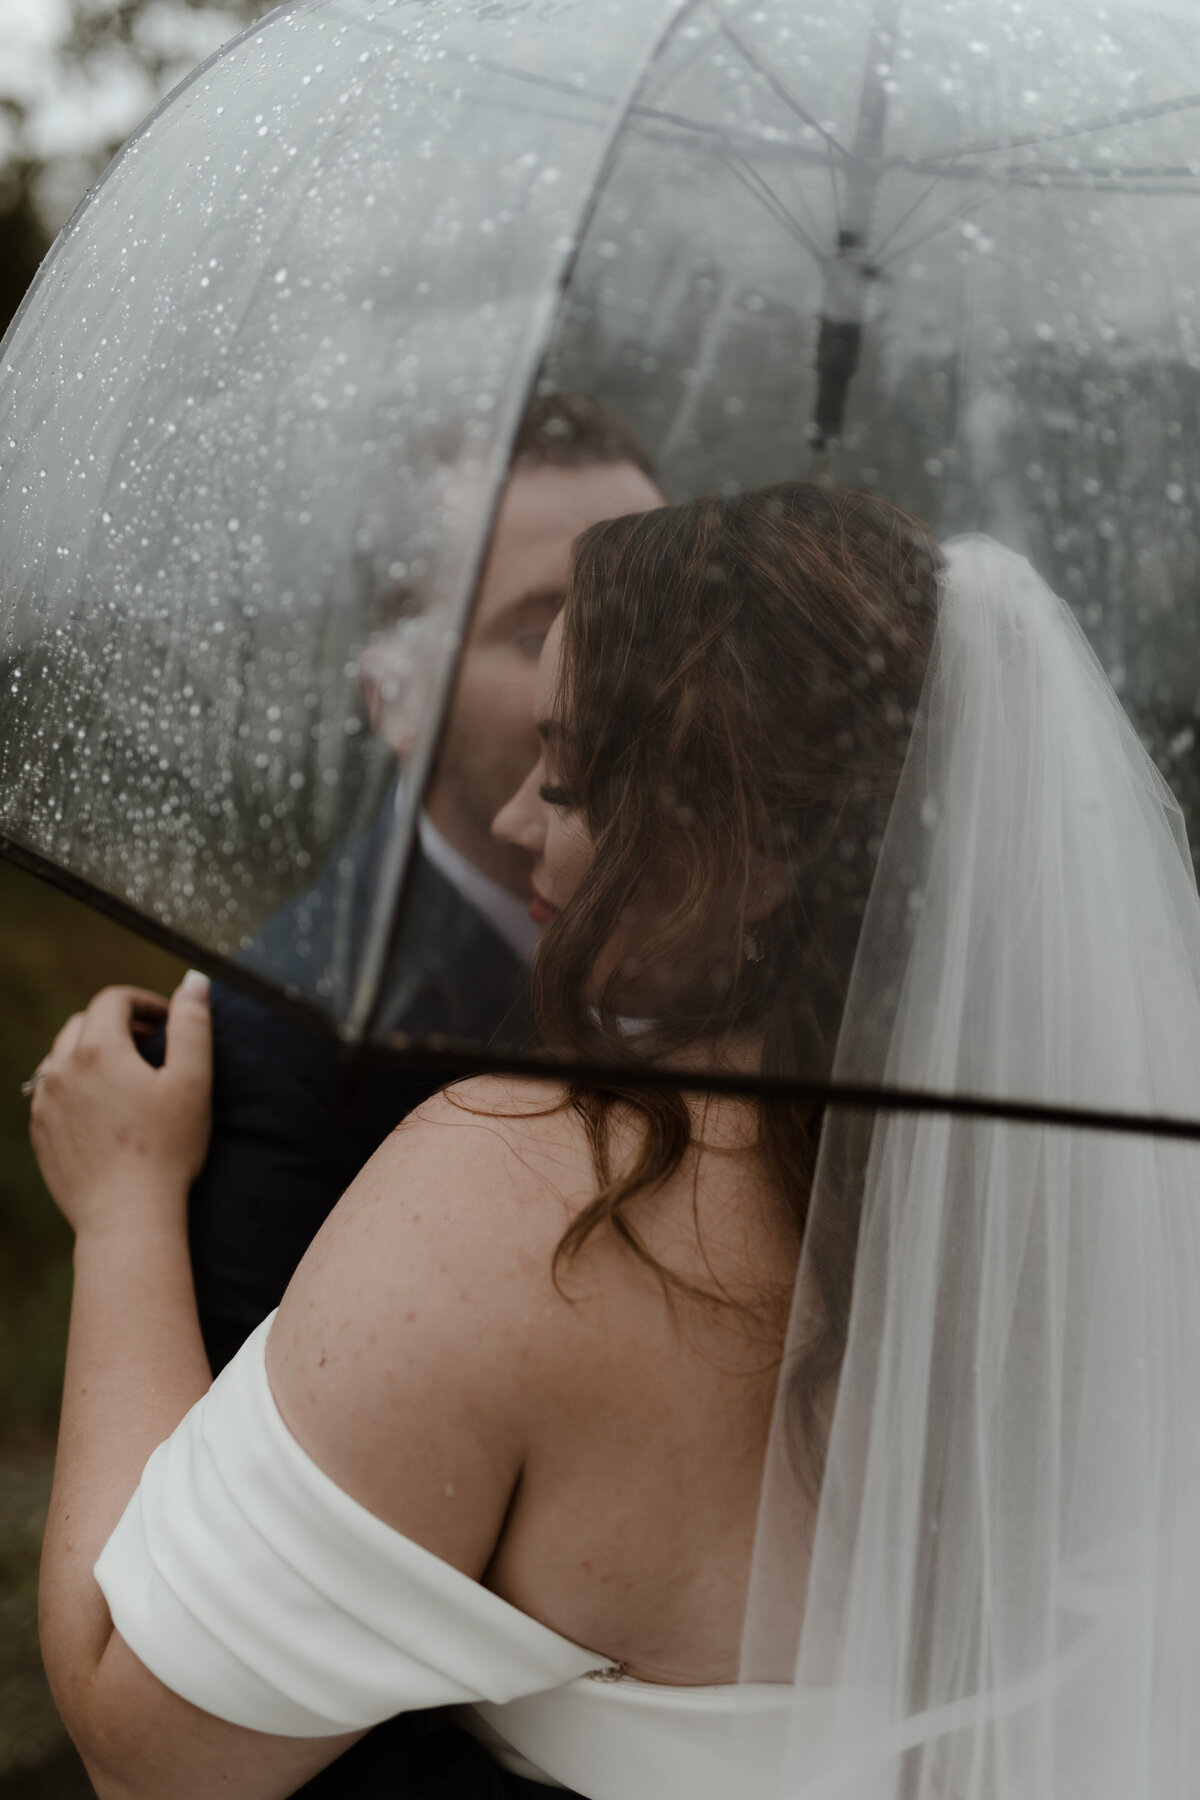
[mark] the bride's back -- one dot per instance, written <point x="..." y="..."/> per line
<point x="633" y="1523"/>
<point x="586" y="1437"/>
<point x="542" y="1336"/>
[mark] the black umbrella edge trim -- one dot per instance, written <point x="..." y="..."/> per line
<point x="448" y="1060"/>
<point x="131" y="918"/>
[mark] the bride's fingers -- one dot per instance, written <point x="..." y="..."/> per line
<point x="137" y="1002"/>
<point x="99" y="1111"/>
<point x="189" y="1031"/>
<point x="64" y="1042"/>
<point x="148" y="1017"/>
<point x="114" y="1023"/>
<point x="116" y="1016"/>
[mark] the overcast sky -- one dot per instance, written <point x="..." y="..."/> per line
<point x="78" y="116"/>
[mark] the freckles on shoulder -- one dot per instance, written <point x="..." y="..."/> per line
<point x="417" y="1349"/>
<point x="470" y="1194"/>
<point x="490" y="1143"/>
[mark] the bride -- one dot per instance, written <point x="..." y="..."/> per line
<point x="701" y="1444"/>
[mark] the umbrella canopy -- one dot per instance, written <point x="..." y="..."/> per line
<point x="826" y="806"/>
<point x="257" y="412"/>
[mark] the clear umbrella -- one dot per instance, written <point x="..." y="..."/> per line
<point x="871" y="832"/>
<point x="257" y="408"/>
<point x="260" y="401"/>
<point x="306" y="304"/>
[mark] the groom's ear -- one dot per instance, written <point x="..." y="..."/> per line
<point x="383" y="693"/>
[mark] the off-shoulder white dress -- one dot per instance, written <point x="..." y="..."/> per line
<point x="251" y="1584"/>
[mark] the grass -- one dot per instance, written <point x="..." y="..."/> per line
<point x="35" y="1757"/>
<point x="54" y="954"/>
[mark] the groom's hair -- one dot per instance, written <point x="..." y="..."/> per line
<point x="576" y="431"/>
<point x="558" y="431"/>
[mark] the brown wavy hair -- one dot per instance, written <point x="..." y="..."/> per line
<point x="737" y="689"/>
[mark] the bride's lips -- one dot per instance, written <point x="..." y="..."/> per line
<point x="540" y="909"/>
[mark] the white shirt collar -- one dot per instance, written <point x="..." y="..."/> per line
<point x="506" y="913"/>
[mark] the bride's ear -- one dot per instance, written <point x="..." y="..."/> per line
<point x="768" y="889"/>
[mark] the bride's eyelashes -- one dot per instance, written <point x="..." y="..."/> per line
<point x="555" y="796"/>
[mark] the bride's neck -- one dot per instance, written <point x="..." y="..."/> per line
<point x="733" y="1054"/>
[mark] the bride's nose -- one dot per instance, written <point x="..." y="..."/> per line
<point x="522" y="820"/>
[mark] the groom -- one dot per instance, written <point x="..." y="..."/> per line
<point x="289" y="1134"/>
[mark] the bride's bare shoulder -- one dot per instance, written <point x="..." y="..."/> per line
<point x="484" y="1171"/>
<point x="507" y="1128"/>
<point x="425" y="1315"/>
<point x="501" y="1098"/>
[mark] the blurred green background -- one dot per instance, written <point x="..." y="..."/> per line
<point x="54" y="954"/>
<point x="76" y="76"/>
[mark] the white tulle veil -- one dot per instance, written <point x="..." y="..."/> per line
<point x="997" y="1596"/>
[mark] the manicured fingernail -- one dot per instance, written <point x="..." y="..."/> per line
<point x="194" y="982"/>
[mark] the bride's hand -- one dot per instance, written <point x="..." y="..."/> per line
<point x="113" y="1136"/>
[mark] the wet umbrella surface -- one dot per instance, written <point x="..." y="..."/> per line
<point x="866" y="767"/>
<point x="257" y="412"/>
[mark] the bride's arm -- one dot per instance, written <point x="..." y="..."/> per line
<point x="119" y="1143"/>
<point x="407" y="1360"/>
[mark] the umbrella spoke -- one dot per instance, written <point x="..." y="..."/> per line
<point x="789" y="100"/>
<point x="754" y="183"/>
<point x="904" y="218"/>
<point x="1102" y="122"/>
<point x="936" y="230"/>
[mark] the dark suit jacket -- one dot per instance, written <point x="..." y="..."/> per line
<point x="292" y="1126"/>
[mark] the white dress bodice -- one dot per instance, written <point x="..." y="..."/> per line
<point x="248" y="1582"/>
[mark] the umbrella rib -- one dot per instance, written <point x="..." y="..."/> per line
<point x="936" y="230"/>
<point x="1086" y="176"/>
<point x="744" y="172"/>
<point x="656" y="114"/>
<point x="1044" y="175"/>
<point x="1135" y="183"/>
<point x="557" y="86"/>
<point x="923" y="166"/>
<point x="1086" y="173"/>
<point x="789" y="100"/>
<point x="902" y="221"/>
<point x="660" y="115"/>
<point x="812" y="242"/>
<point x="1100" y="122"/>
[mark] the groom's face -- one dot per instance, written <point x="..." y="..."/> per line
<point x="490" y="743"/>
